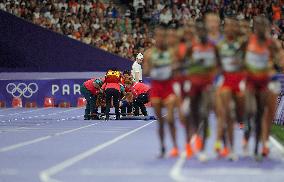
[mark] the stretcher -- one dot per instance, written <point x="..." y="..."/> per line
<point x="123" y="116"/>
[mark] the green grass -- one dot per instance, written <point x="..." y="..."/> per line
<point x="278" y="132"/>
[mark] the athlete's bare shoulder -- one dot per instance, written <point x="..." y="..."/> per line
<point x="148" y="53"/>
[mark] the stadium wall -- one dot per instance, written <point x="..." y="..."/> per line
<point x="25" y="47"/>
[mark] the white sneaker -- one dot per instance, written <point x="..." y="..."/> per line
<point x="245" y="151"/>
<point x="233" y="157"/>
<point x="202" y="157"/>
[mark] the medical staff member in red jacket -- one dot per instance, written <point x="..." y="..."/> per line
<point x="140" y="92"/>
<point x="113" y="88"/>
<point x="90" y="89"/>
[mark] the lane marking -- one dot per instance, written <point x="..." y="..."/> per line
<point x="40" y="139"/>
<point x="14" y="129"/>
<point x="35" y="110"/>
<point x="175" y="172"/>
<point x="244" y="171"/>
<point x="121" y="172"/>
<point x="276" y="144"/>
<point x="23" y="112"/>
<point x="42" y="115"/>
<point x="22" y="144"/>
<point x="46" y="175"/>
<point x="8" y="172"/>
<point x="7" y="109"/>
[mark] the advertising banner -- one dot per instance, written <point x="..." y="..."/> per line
<point x="36" y="90"/>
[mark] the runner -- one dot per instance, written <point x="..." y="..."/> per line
<point x="231" y="90"/>
<point x="263" y="55"/>
<point x="158" y="64"/>
<point x="202" y="69"/>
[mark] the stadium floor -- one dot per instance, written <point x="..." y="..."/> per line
<point x="56" y="145"/>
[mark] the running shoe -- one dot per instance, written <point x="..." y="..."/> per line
<point x="224" y="152"/>
<point x="188" y="150"/>
<point x="174" y="152"/>
<point x="198" y="143"/>
<point x="265" y="151"/>
<point x="218" y="146"/>
<point x="202" y="157"/>
<point x="245" y="147"/>
<point x="233" y="157"/>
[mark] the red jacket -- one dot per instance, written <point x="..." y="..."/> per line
<point x="89" y="84"/>
<point x="139" y="88"/>
<point x="111" y="85"/>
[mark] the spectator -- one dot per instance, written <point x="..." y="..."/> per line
<point x="138" y="4"/>
<point x="130" y="32"/>
<point x="165" y="16"/>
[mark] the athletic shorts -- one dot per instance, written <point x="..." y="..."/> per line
<point x="196" y="84"/>
<point x="161" y="89"/>
<point x="257" y="83"/>
<point x="234" y="82"/>
<point x="178" y="83"/>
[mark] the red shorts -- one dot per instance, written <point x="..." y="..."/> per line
<point x="161" y="89"/>
<point x="177" y="83"/>
<point x="196" y="84"/>
<point x="233" y="82"/>
<point x="258" y="83"/>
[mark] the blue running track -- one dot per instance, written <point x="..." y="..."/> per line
<point x="57" y="145"/>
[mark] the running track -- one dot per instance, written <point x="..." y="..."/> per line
<point x="56" y="145"/>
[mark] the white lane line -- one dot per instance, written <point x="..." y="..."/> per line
<point x="244" y="171"/>
<point x="22" y="144"/>
<point x="42" y="115"/>
<point x="18" y="129"/>
<point x="118" y="172"/>
<point x="175" y="172"/>
<point x="46" y="175"/>
<point x="276" y="144"/>
<point x="22" y="112"/>
<point x="35" y="110"/>
<point x="37" y="140"/>
<point x="8" y="172"/>
<point x="11" y="130"/>
<point x="7" y="109"/>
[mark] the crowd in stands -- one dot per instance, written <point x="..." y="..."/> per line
<point x="126" y="27"/>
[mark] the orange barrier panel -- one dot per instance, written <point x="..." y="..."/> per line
<point x="31" y="105"/>
<point x="65" y="104"/>
<point x="2" y="104"/>
<point x="81" y="102"/>
<point x="48" y="102"/>
<point x="17" y="102"/>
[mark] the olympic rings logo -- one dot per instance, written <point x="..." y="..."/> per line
<point x="22" y="89"/>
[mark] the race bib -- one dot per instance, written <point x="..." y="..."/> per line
<point x="161" y="73"/>
<point x="257" y="61"/>
<point x="274" y="87"/>
<point x="207" y="57"/>
<point x="230" y="64"/>
<point x="187" y="86"/>
<point x="177" y="88"/>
